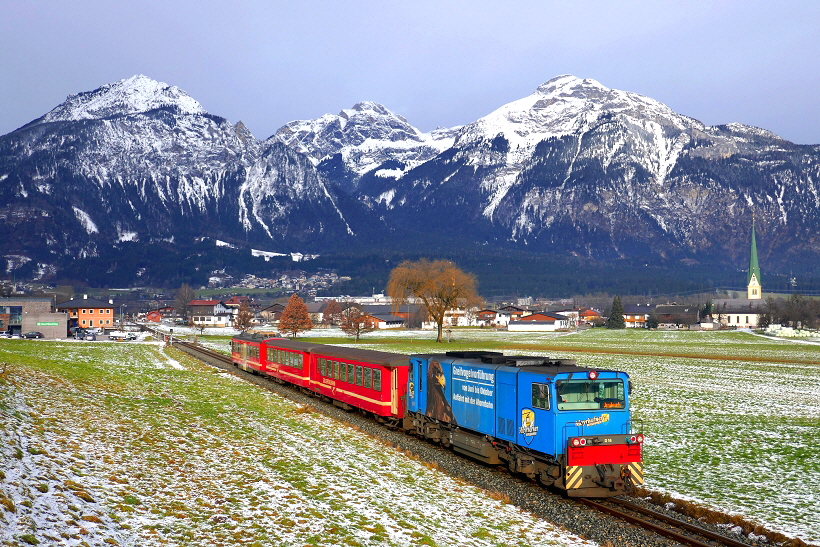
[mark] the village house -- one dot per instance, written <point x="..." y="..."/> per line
<point x="210" y="313"/>
<point x="87" y="313"/>
<point x="636" y="315"/>
<point x="493" y="318"/>
<point x="541" y="321"/>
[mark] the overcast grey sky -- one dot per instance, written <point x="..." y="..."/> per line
<point x="437" y="63"/>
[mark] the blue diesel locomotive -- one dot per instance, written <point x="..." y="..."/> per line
<point x="554" y="421"/>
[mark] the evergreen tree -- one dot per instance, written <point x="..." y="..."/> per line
<point x="652" y="322"/>
<point x="616" y="317"/>
<point x="295" y="317"/>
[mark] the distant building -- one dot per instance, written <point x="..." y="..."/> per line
<point x="19" y="315"/>
<point x="87" y="313"/>
<point x="636" y="315"/>
<point x="493" y="318"/>
<point x="210" y="313"/>
<point x="677" y="316"/>
<point x="588" y="316"/>
<point x="545" y="321"/>
<point x="742" y="312"/>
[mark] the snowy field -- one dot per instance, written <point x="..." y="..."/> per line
<point x="127" y="444"/>
<point x="738" y="432"/>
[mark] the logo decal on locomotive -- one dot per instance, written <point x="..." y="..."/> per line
<point x="528" y="427"/>
<point x="603" y="418"/>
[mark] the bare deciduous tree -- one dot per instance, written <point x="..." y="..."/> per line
<point x="244" y="317"/>
<point x="184" y="295"/>
<point x="332" y="314"/>
<point x="440" y="284"/>
<point x="356" y="323"/>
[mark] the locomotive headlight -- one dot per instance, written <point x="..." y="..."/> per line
<point x="640" y="439"/>
<point x="583" y="442"/>
<point x="576" y="442"/>
<point x="593" y="374"/>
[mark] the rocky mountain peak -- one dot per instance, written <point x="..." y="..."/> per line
<point x="366" y="135"/>
<point x="370" y="107"/>
<point x="128" y="96"/>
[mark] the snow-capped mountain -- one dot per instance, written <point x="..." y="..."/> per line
<point x="366" y="136"/>
<point x="575" y="168"/>
<point x="606" y="173"/>
<point x="130" y="96"/>
<point x="141" y="161"/>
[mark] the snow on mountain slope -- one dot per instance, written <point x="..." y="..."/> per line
<point x="366" y="135"/>
<point x="128" y="96"/>
<point x="575" y="167"/>
<point x="138" y="159"/>
<point x="567" y="106"/>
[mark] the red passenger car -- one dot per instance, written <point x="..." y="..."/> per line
<point x="288" y="361"/>
<point x="374" y="381"/>
<point x="247" y="354"/>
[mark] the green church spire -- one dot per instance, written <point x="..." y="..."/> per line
<point x="754" y="268"/>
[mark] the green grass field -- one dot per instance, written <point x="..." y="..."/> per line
<point x="732" y="422"/>
<point x="132" y="444"/>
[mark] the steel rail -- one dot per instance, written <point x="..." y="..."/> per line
<point x="671" y="521"/>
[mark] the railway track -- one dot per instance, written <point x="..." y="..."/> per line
<point x="661" y="523"/>
<point x="675" y="530"/>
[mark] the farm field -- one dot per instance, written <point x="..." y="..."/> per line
<point x="732" y="419"/>
<point x="131" y="444"/>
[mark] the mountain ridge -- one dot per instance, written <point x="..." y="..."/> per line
<point x="573" y="169"/>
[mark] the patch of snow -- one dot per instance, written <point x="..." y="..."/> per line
<point x="15" y="261"/>
<point x="267" y="255"/>
<point x="85" y="220"/>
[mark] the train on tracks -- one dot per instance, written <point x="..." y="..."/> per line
<point x="566" y="426"/>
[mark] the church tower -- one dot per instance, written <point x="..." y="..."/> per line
<point x="754" y="290"/>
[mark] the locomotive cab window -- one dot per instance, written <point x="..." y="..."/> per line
<point x="590" y="394"/>
<point x="541" y="396"/>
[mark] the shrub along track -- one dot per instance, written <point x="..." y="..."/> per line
<point x="576" y="516"/>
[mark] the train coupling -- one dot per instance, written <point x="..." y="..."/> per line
<point x="609" y="477"/>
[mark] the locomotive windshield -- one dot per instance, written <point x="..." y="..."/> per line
<point x="590" y="394"/>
